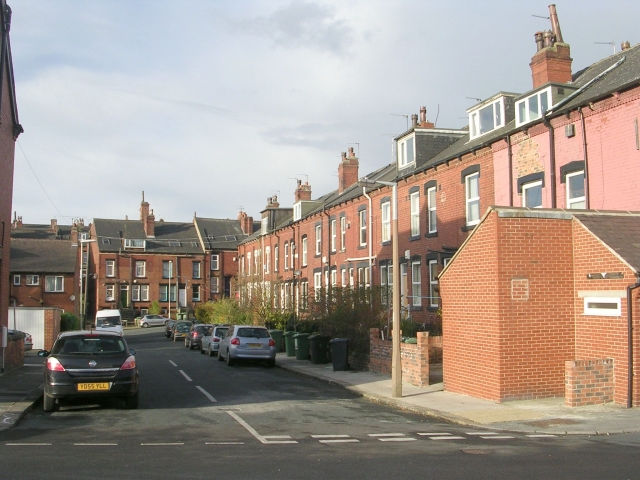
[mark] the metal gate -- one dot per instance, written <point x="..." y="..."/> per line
<point x="29" y="320"/>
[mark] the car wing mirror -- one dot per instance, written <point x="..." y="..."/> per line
<point x="132" y="351"/>
<point x="44" y="353"/>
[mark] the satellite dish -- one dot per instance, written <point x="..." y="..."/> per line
<point x="72" y="298"/>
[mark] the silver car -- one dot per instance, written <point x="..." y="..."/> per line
<point x="246" y="342"/>
<point x="211" y="340"/>
<point x="153" y="321"/>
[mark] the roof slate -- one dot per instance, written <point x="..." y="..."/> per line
<point x="43" y="256"/>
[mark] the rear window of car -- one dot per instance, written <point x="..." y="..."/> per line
<point x="220" y="331"/>
<point x="201" y="328"/>
<point x="94" y="345"/>
<point x="253" y="332"/>
<point x="183" y="327"/>
<point x="107" y="321"/>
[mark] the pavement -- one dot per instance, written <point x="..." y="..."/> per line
<point x="21" y="388"/>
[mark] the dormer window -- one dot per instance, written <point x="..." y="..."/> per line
<point x="486" y="117"/>
<point x="532" y="107"/>
<point x="264" y="225"/>
<point x="406" y="151"/>
<point x="134" y="243"/>
<point x="297" y="211"/>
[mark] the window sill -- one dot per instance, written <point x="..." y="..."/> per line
<point x="414" y="238"/>
<point x="362" y="247"/>
<point x="416" y="308"/>
<point x="468" y="228"/>
<point x="431" y="235"/>
<point x="384" y="244"/>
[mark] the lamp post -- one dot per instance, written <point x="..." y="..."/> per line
<point x="83" y="299"/>
<point x="396" y="361"/>
<point x="169" y="289"/>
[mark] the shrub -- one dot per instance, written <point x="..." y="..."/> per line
<point x="68" y="321"/>
<point x="154" y="308"/>
<point x="225" y="310"/>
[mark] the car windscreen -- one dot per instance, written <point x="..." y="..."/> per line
<point x="108" y="321"/>
<point x="94" y="344"/>
<point x="253" y="333"/>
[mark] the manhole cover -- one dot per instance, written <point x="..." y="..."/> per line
<point x="475" y="451"/>
<point x="552" y="422"/>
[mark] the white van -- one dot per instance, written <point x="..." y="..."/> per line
<point x="109" y="321"/>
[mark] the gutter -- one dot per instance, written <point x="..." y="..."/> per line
<point x="630" y="288"/>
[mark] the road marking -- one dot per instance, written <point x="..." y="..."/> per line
<point x="329" y="436"/>
<point x="253" y="431"/>
<point x="434" y="434"/>
<point x="542" y="435"/>
<point x="269" y="437"/>
<point x="173" y="363"/>
<point x="185" y="376"/>
<point x="344" y="440"/>
<point x="29" y="444"/>
<point x="447" y="438"/>
<point x="161" y="444"/>
<point x="497" y="437"/>
<point x="207" y="394"/>
<point x="224" y="443"/>
<point x="386" y="435"/>
<point x="480" y="433"/>
<point x="95" y="444"/>
<point x="396" y="439"/>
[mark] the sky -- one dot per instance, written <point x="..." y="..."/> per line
<point x="212" y="106"/>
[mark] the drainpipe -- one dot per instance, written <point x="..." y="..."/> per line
<point x="364" y="192"/>
<point x="586" y="161"/>
<point x="510" y="163"/>
<point x="552" y="159"/>
<point x="630" y="341"/>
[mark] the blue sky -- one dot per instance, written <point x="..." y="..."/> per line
<point x="212" y="106"/>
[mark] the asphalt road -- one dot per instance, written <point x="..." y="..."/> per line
<point x="199" y="418"/>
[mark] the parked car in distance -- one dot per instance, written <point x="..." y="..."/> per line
<point x="109" y="321"/>
<point x="245" y="342"/>
<point x="211" y="342"/>
<point x="168" y="332"/>
<point x="180" y="329"/>
<point x="153" y="321"/>
<point x="28" y="339"/>
<point x="90" y="364"/>
<point x="196" y="332"/>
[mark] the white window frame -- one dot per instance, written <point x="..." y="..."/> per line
<point x="134" y="243"/>
<point x="286" y="256"/>
<point x="305" y="248"/>
<point x="16" y="280"/>
<point x="318" y="230"/>
<point x="32" y="280"/>
<point x="406" y="157"/>
<point x="523" y="113"/>
<point x="351" y="279"/>
<point x="362" y="229"/>
<point x="110" y="268"/>
<point x="215" y="284"/>
<point x="317" y="284"/>
<point x="195" y="293"/>
<point x="215" y="261"/>
<point x="334" y="277"/>
<point x="343" y="232"/>
<point x="385" y="219"/>
<point x="267" y="259"/>
<point x="414" y="200"/>
<point x="343" y="277"/>
<point x="416" y="283"/>
<point x="497" y="116"/>
<point x="472" y="201"/>
<point x="297" y="211"/>
<point x="196" y="269"/>
<point x="432" y="216"/>
<point x="591" y="308"/>
<point x="141" y="269"/>
<point x="264" y="225"/>
<point x="293" y="254"/>
<point x="135" y="293"/>
<point x="433" y="283"/>
<point x="110" y="293"/>
<point x="276" y="257"/>
<point x="528" y="186"/>
<point x="140" y="293"/>
<point x="334" y="234"/>
<point x="575" y="200"/>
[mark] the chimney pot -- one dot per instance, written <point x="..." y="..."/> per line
<point x="414" y="120"/>
<point x="351" y="154"/>
<point x="539" y="41"/>
<point x="625" y="45"/>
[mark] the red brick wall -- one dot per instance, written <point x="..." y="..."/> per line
<point x="507" y="316"/>
<point x="589" y="382"/>
<point x="14" y="353"/>
<point x="599" y="336"/>
<point x="51" y="327"/>
<point x="35" y="296"/>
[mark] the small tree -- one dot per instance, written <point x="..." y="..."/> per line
<point x="68" y="321"/>
<point x="154" y="308"/>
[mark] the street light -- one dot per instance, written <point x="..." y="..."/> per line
<point x="396" y="361"/>
<point x="169" y="290"/>
<point x="83" y="295"/>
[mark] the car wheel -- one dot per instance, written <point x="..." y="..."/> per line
<point x="185" y="343"/>
<point x="229" y="361"/>
<point x="202" y="351"/>
<point x="145" y="325"/>
<point x="49" y="403"/>
<point x="219" y="356"/>
<point x="131" y="402"/>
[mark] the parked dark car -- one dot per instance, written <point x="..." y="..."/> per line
<point x="181" y="329"/>
<point x="90" y="364"/>
<point x="194" y="337"/>
<point x="248" y="343"/>
<point x="169" y="328"/>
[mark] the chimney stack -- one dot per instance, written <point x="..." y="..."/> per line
<point x="54" y="226"/>
<point x="347" y="171"/>
<point x="150" y="225"/>
<point x="246" y="223"/>
<point x="424" y="123"/>
<point x="303" y="192"/>
<point x="144" y="209"/>
<point x="552" y="60"/>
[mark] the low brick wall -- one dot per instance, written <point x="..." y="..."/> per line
<point x="415" y="357"/>
<point x="14" y="353"/>
<point x="588" y="382"/>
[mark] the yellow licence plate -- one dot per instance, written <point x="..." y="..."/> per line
<point x="92" y="387"/>
<point x="254" y="345"/>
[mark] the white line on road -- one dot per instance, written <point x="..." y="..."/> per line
<point x="447" y="438"/>
<point x="280" y="437"/>
<point x="95" y="444"/>
<point x="329" y="436"/>
<point x="386" y="434"/>
<point x="542" y="435"/>
<point x="161" y="444"/>
<point x="207" y="394"/>
<point x="29" y="444"/>
<point x="173" y="363"/>
<point x="434" y="434"/>
<point x="497" y="437"/>
<point x="344" y="440"/>
<point x="224" y="443"/>
<point x="253" y="431"/>
<point x="480" y="433"/>
<point x="185" y="376"/>
<point x="397" y="439"/>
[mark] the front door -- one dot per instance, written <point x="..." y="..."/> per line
<point x="182" y="297"/>
<point x="124" y="295"/>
